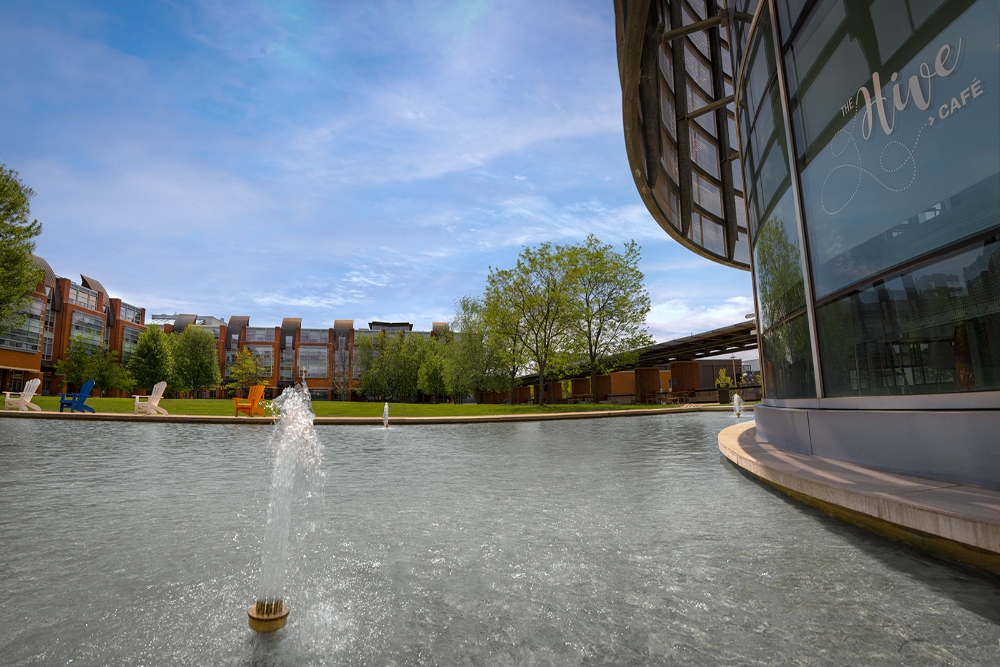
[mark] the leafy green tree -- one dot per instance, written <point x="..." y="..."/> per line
<point x="503" y="333"/>
<point x="610" y="304"/>
<point x="390" y="366"/>
<point x="18" y="274"/>
<point x="368" y="358"/>
<point x="431" y="373"/>
<point x="471" y="364"/>
<point x="108" y="373"/>
<point x="196" y="364"/>
<point x="537" y="295"/>
<point x="151" y="360"/>
<point x="245" y="371"/>
<point x="79" y="365"/>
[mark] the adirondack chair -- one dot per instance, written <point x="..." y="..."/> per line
<point x="251" y="404"/>
<point x="21" y="400"/>
<point x="77" y="401"/>
<point x="150" y="405"/>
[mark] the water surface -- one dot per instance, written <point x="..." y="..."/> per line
<point x="609" y="541"/>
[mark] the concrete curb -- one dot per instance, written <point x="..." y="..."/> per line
<point x="959" y="521"/>
<point x="363" y="421"/>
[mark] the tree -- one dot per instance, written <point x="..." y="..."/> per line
<point x="196" y="364"/>
<point x="108" y="373"/>
<point x="390" y="365"/>
<point x="340" y="371"/>
<point x="536" y="294"/>
<point x="245" y="371"/>
<point x="79" y="364"/>
<point x="503" y="328"/>
<point x="18" y="273"/>
<point x="151" y="360"/>
<point x="610" y="306"/>
<point x="431" y="373"/>
<point x="471" y="363"/>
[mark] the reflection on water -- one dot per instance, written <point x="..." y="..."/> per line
<point x="609" y="541"/>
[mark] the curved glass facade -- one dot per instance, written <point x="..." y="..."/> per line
<point x="870" y="133"/>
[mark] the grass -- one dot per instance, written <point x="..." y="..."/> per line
<point x="223" y="407"/>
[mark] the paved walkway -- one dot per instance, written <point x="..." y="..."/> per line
<point x="960" y="521"/>
<point x="363" y="421"/>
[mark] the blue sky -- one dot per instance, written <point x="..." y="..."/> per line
<point x="327" y="160"/>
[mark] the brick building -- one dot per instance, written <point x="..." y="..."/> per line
<point x="59" y="310"/>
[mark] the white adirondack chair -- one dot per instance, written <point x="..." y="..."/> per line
<point x="150" y="405"/>
<point x="22" y="399"/>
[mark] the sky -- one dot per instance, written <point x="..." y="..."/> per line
<point x="357" y="160"/>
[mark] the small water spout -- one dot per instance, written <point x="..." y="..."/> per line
<point x="297" y="452"/>
<point x="737" y="405"/>
<point x="385" y="415"/>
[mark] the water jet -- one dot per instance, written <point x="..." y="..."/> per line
<point x="297" y="453"/>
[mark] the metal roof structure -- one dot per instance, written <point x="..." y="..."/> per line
<point x="727" y="340"/>
<point x="733" y="339"/>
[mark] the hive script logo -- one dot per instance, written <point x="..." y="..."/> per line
<point x="918" y="92"/>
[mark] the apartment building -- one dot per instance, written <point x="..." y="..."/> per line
<point x="60" y="309"/>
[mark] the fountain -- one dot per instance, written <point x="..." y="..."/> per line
<point x="737" y="405"/>
<point x="297" y="454"/>
<point x="385" y="415"/>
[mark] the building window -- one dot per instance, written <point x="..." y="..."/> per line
<point x="319" y="394"/>
<point x="287" y="370"/>
<point x="83" y="297"/>
<point x="130" y="313"/>
<point x="934" y="328"/>
<point x="265" y="357"/>
<point x="314" y="335"/>
<point x="230" y="360"/>
<point x="313" y="360"/>
<point x="260" y="335"/>
<point x="28" y="337"/>
<point x="130" y="336"/>
<point x="89" y="327"/>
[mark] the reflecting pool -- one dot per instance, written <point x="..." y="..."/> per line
<point x="608" y="541"/>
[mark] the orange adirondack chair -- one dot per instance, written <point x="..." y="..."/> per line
<point x="251" y="404"/>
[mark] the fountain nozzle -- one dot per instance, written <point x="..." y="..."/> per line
<point x="268" y="616"/>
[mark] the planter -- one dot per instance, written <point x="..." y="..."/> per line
<point x="723" y="395"/>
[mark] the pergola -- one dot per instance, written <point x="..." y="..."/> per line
<point x="727" y="340"/>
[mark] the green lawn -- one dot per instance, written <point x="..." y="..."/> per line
<point x="209" y="406"/>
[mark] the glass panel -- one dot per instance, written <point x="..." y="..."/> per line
<point x="668" y="115"/>
<point x="918" y="168"/>
<point x="260" y="334"/>
<point x="778" y="265"/>
<point x="786" y="361"/>
<point x="788" y="13"/>
<point x="669" y="159"/>
<point x="706" y="194"/>
<point x="704" y="151"/>
<point x="708" y="234"/>
<point x="89" y="327"/>
<point x="314" y="335"/>
<point x="28" y="337"/>
<point x="314" y="361"/>
<point x="767" y="158"/>
<point x="696" y="101"/>
<point x="665" y="58"/>
<point x="699" y="39"/>
<point x="698" y="69"/>
<point x="265" y="357"/>
<point x="130" y="336"/>
<point x="935" y="328"/>
<point x="760" y="66"/>
<point x="666" y="196"/>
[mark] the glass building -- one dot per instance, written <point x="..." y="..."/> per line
<point x="847" y="153"/>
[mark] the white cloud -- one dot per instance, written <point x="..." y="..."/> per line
<point x="679" y="317"/>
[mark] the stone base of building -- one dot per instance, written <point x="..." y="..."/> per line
<point x="959" y="521"/>
<point x="953" y="445"/>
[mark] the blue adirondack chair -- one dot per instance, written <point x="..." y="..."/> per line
<point x="77" y="401"/>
